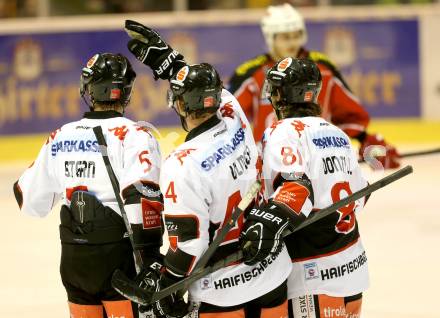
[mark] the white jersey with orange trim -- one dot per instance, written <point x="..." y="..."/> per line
<point x="203" y="180"/>
<point x="70" y="160"/>
<point x="328" y="256"/>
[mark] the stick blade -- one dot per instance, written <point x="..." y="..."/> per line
<point x="129" y="289"/>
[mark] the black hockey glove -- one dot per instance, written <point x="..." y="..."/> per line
<point x="171" y="306"/>
<point x="149" y="48"/>
<point x="148" y="278"/>
<point x="262" y="233"/>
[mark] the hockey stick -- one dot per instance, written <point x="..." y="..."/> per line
<point x="115" y="184"/>
<point x="412" y="154"/>
<point x="204" y="259"/>
<point x="244" y="203"/>
<point x="130" y="290"/>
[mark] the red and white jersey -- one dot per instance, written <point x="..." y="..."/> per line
<point x="338" y="104"/>
<point x="203" y="180"/>
<point x="70" y="160"/>
<point x="328" y="256"/>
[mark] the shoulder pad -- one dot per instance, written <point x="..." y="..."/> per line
<point x="250" y="65"/>
<point x="245" y="70"/>
<point x="320" y="57"/>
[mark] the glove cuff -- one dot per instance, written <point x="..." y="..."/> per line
<point x="271" y="215"/>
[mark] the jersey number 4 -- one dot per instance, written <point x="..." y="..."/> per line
<point x="233" y="200"/>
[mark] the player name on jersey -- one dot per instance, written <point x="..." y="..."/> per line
<point x="80" y="169"/>
<point x="336" y="164"/>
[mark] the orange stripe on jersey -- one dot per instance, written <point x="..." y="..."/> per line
<point x="173" y="239"/>
<point x="293" y="195"/>
<point x="85" y="311"/>
<point x="119" y="308"/>
<point x="69" y="191"/>
<point x="331" y="306"/>
<point x="353" y="308"/>
<point x="229" y="314"/>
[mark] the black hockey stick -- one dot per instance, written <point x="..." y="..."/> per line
<point x="115" y="184"/>
<point x="412" y="154"/>
<point x="130" y="290"/>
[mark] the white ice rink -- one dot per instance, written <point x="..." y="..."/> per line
<point x="400" y="228"/>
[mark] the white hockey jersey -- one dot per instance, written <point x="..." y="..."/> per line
<point x="202" y="181"/>
<point x="328" y="256"/>
<point x="70" y="160"/>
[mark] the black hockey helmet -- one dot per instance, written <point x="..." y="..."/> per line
<point x="107" y="78"/>
<point x="293" y="81"/>
<point x="198" y="86"/>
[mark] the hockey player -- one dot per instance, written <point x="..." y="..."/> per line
<point x="203" y="180"/>
<point x="69" y="165"/>
<point x="285" y="34"/>
<point x="308" y="164"/>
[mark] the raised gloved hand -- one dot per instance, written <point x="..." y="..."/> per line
<point x="374" y="146"/>
<point x="149" y="48"/>
<point x="262" y="233"/>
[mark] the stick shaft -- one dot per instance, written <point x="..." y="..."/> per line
<point x="244" y="203"/>
<point x="116" y="189"/>
<point x="412" y="154"/>
<point x="316" y="217"/>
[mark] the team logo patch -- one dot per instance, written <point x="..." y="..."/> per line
<point x="206" y="283"/>
<point x="151" y="215"/>
<point x="311" y="271"/>
<point x="208" y="101"/>
<point x="182" y="74"/>
<point x="308" y="96"/>
<point x="92" y="60"/>
<point x="284" y="64"/>
<point x="115" y="93"/>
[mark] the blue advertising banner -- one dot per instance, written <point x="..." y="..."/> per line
<point x="39" y="73"/>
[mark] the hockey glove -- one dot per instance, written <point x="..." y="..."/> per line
<point x="262" y="233"/>
<point x="171" y="306"/>
<point x="149" y="48"/>
<point x="386" y="154"/>
<point x="148" y="278"/>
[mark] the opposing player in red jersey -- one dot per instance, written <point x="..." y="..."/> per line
<point x="285" y="34"/>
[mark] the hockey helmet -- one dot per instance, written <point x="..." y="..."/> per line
<point x="198" y="86"/>
<point x="280" y="19"/>
<point x="293" y="81"/>
<point x="107" y="78"/>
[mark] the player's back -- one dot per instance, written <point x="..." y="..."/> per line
<point x="206" y="178"/>
<point x="322" y="152"/>
<point x="73" y="160"/>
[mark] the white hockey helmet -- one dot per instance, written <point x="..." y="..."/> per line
<point x="280" y="19"/>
